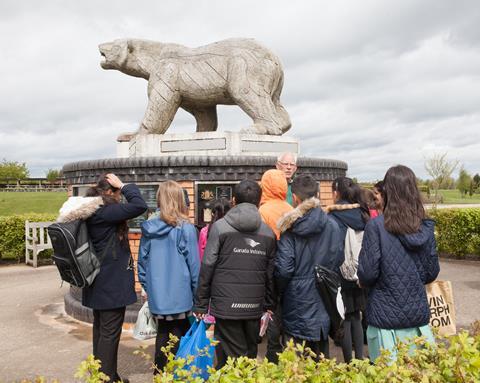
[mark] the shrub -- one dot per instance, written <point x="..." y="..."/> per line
<point x="452" y="359"/>
<point x="457" y="231"/>
<point x="12" y="234"/>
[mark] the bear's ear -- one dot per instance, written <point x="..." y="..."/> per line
<point x="130" y="46"/>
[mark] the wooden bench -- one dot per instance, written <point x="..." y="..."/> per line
<point x="36" y="240"/>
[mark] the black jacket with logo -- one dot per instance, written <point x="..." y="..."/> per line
<point x="236" y="276"/>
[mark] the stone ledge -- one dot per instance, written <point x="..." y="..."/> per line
<point x="196" y="168"/>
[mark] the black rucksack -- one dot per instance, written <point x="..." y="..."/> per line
<point x="73" y="252"/>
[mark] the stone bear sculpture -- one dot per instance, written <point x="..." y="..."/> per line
<point x="229" y="72"/>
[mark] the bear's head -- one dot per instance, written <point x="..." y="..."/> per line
<point x="122" y="55"/>
<point x="114" y="54"/>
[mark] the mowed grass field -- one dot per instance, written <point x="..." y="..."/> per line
<point x="31" y="202"/>
<point x="454" y="196"/>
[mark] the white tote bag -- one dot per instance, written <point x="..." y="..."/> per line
<point x="145" y="327"/>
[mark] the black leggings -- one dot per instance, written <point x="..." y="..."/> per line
<point x="178" y="327"/>
<point x="353" y="338"/>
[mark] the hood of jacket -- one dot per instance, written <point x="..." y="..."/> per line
<point x="155" y="227"/>
<point x="306" y="219"/>
<point x="244" y="217"/>
<point x="274" y="186"/>
<point x="348" y="214"/>
<point x="419" y="239"/>
<point x="79" y="208"/>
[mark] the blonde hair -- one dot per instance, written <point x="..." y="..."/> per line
<point x="171" y="202"/>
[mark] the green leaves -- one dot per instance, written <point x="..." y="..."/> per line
<point x="12" y="234"/>
<point x="452" y="359"/>
<point x="457" y="231"/>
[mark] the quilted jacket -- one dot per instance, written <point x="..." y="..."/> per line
<point x="309" y="237"/>
<point x="395" y="269"/>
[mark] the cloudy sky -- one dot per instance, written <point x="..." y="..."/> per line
<point x="373" y="83"/>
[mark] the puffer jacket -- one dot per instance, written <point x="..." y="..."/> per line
<point x="114" y="286"/>
<point x="168" y="266"/>
<point x="274" y="192"/>
<point x="236" y="276"/>
<point x="309" y="237"/>
<point x="395" y="269"/>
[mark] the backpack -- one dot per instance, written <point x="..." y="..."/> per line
<point x="73" y="252"/>
<point x="353" y="244"/>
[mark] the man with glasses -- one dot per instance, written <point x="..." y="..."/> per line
<point x="287" y="163"/>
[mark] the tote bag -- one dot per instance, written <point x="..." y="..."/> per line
<point x="145" y="327"/>
<point x="442" y="310"/>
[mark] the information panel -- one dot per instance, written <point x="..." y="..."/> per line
<point x="206" y="194"/>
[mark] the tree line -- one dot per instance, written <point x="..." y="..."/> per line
<point x="18" y="171"/>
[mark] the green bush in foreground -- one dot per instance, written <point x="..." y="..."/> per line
<point x="452" y="359"/>
<point x="12" y="234"/>
<point x="457" y="231"/>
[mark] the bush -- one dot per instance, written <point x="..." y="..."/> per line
<point x="452" y="359"/>
<point x="457" y="231"/>
<point x="12" y="234"/>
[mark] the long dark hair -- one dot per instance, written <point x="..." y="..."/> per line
<point x="403" y="210"/>
<point x="100" y="190"/>
<point x="219" y="207"/>
<point x="350" y="191"/>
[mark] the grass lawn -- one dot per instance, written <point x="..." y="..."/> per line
<point x="454" y="196"/>
<point x="31" y="202"/>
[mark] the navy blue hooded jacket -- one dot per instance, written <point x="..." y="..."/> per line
<point x="309" y="237"/>
<point x="114" y="286"/>
<point x="346" y="215"/>
<point x="395" y="269"/>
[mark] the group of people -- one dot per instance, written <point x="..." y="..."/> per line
<point x="257" y="256"/>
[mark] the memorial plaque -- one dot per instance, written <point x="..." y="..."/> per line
<point x="206" y="194"/>
<point x="149" y="194"/>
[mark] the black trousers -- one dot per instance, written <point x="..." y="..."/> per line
<point x="236" y="338"/>
<point x="318" y="347"/>
<point x="179" y="328"/>
<point x="107" y="329"/>
<point x="275" y="336"/>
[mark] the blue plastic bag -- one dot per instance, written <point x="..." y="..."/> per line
<point x="194" y="343"/>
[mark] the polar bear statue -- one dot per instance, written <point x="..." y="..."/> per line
<point x="229" y="72"/>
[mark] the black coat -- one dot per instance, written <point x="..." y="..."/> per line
<point x="114" y="286"/>
<point x="395" y="270"/>
<point x="236" y="275"/>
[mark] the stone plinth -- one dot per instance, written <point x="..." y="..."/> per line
<point x="207" y="143"/>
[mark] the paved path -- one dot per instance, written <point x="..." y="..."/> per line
<point x="37" y="338"/>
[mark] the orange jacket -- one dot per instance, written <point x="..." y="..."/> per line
<point x="274" y="192"/>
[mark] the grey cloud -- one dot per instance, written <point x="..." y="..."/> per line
<point x="372" y="83"/>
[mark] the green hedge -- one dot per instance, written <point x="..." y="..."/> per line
<point x="457" y="231"/>
<point x="12" y="234"/>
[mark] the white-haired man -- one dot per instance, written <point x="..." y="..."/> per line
<point x="287" y="163"/>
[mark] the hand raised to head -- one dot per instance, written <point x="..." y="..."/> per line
<point x="113" y="180"/>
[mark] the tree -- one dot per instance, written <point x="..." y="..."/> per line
<point x="440" y="169"/>
<point x="476" y="182"/>
<point x="53" y="175"/>
<point x="13" y="170"/>
<point x="464" y="181"/>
